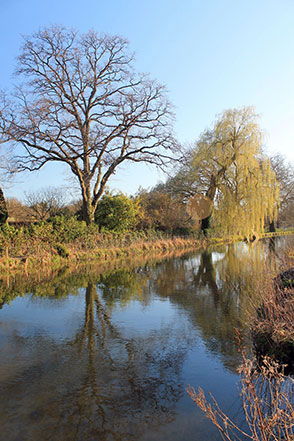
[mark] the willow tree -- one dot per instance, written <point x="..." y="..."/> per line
<point x="251" y="202"/>
<point x="82" y="104"/>
<point x="228" y="167"/>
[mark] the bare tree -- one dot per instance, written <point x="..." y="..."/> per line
<point x="82" y="104"/>
<point x="46" y="202"/>
<point x="284" y="171"/>
<point x="18" y="212"/>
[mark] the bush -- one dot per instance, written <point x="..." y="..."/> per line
<point x="164" y="213"/>
<point x="62" y="250"/>
<point x="117" y="213"/>
<point x="68" y="229"/>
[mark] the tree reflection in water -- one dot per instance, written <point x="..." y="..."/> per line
<point x="103" y="383"/>
<point x="219" y="290"/>
<point x="98" y="385"/>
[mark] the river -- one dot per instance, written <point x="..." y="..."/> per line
<point x="107" y="353"/>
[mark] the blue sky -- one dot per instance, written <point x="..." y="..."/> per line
<point x="212" y="55"/>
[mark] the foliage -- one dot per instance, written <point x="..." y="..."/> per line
<point x="163" y="212"/>
<point x="10" y="236"/>
<point x="251" y="202"/>
<point x="68" y="229"/>
<point x="117" y="212"/>
<point x="62" y="250"/>
<point x="228" y="167"/>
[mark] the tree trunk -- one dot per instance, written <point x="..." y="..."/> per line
<point x="87" y="212"/>
<point x="272" y="227"/>
<point x="205" y="223"/>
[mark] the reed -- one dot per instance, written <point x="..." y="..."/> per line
<point x="267" y="400"/>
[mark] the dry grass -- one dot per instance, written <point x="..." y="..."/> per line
<point x="273" y="328"/>
<point x="102" y="248"/>
<point x="267" y="400"/>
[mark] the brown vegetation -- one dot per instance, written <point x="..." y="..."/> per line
<point x="100" y="248"/>
<point x="273" y="328"/>
<point x="267" y="399"/>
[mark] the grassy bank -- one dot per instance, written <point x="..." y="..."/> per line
<point x="69" y="242"/>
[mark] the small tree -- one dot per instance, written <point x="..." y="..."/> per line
<point x="82" y="104"/>
<point x="117" y="212"/>
<point x="46" y="202"/>
<point x="162" y="212"/>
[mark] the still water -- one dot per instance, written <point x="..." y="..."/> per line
<point x="105" y="353"/>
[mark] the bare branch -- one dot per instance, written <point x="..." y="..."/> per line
<point x="82" y="104"/>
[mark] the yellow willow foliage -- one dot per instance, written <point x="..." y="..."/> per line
<point x="229" y="166"/>
<point x="244" y="207"/>
<point x="235" y="137"/>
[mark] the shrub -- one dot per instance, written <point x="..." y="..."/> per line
<point x="62" y="250"/>
<point x="68" y="229"/>
<point x="117" y="213"/>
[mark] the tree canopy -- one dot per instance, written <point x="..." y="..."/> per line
<point x="228" y="167"/>
<point x="81" y="103"/>
<point x="163" y="212"/>
<point x="3" y="208"/>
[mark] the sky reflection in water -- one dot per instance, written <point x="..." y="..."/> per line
<point x="107" y="356"/>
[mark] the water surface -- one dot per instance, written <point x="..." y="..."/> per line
<point x="106" y="354"/>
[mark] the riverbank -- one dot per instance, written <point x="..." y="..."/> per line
<point x="67" y="241"/>
<point x="273" y="327"/>
<point x="266" y="387"/>
<point x="38" y="255"/>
